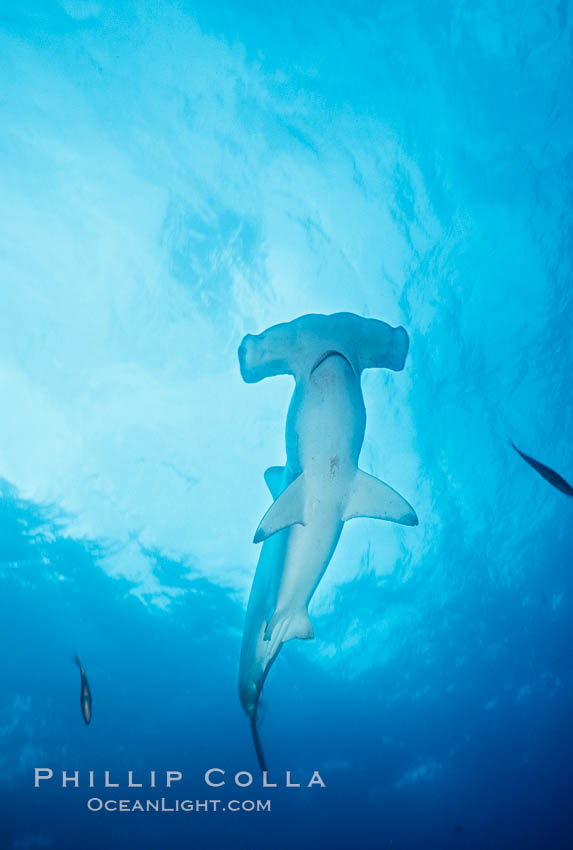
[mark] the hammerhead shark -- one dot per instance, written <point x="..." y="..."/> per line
<point x="321" y="486"/>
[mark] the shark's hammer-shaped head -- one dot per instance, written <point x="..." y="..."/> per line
<point x="259" y="357"/>
<point x="294" y="348"/>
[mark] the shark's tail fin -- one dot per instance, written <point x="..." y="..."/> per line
<point x="257" y="741"/>
<point x="76" y="660"/>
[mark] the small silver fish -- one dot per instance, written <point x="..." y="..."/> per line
<point x="85" y="694"/>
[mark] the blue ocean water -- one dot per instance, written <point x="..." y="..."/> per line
<point x="175" y="175"/>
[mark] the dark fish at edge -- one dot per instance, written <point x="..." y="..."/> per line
<point x="549" y="474"/>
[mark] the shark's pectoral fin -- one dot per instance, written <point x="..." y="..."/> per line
<point x="274" y="479"/>
<point x="370" y="497"/>
<point x="287" y="625"/>
<point x="287" y="510"/>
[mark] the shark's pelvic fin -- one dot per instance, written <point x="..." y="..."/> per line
<point x="274" y="478"/>
<point x="287" y="510"/>
<point x="287" y="625"/>
<point x="370" y="497"/>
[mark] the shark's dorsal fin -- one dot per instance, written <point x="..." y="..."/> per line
<point x="287" y="510"/>
<point x="274" y="479"/>
<point x="370" y="497"/>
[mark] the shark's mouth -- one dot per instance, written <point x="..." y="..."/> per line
<point x="326" y="355"/>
